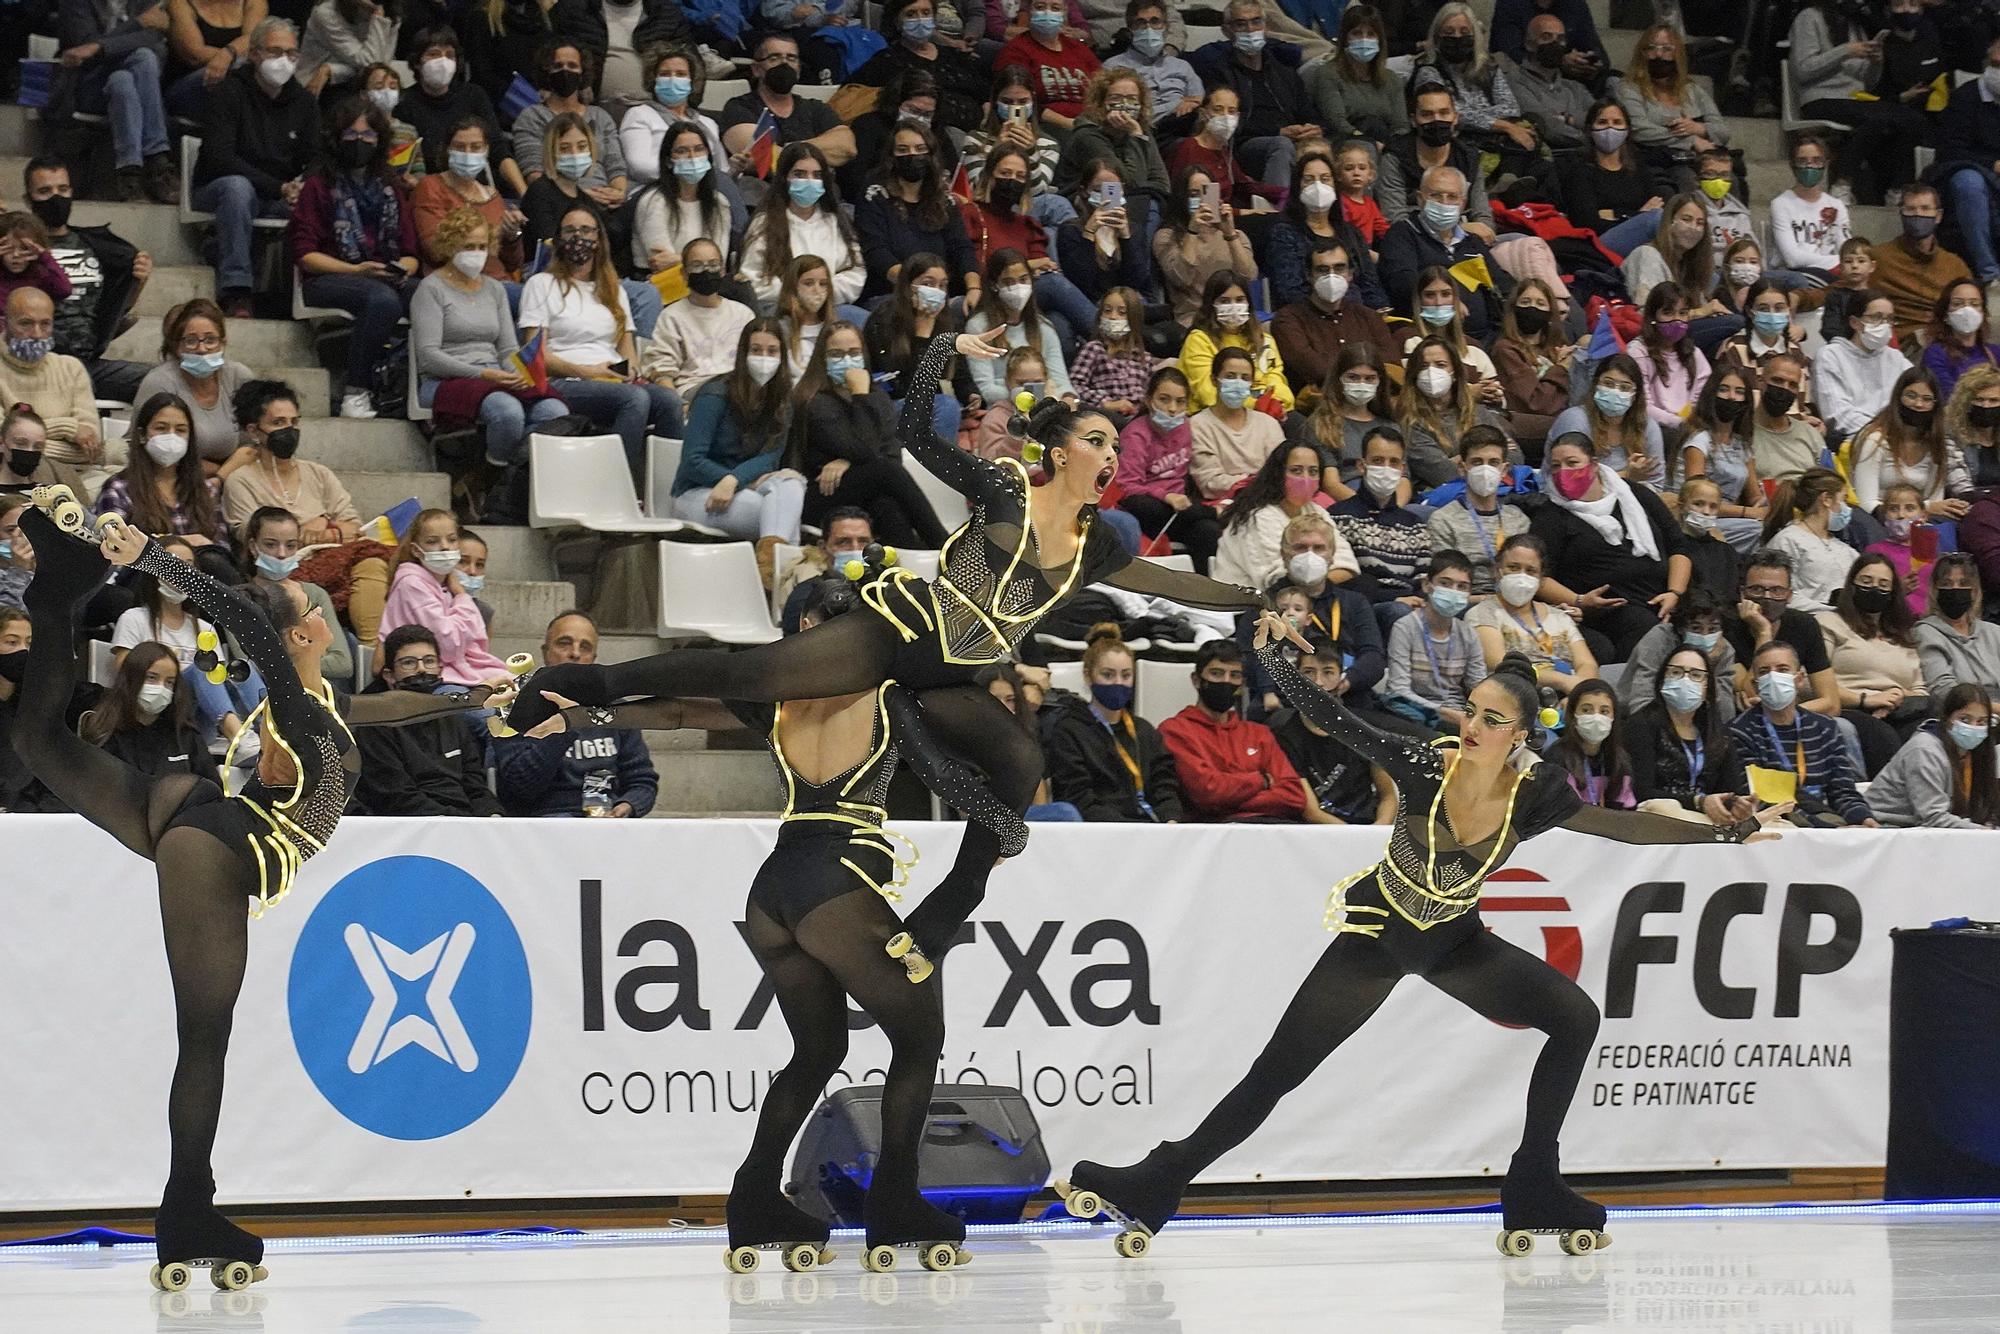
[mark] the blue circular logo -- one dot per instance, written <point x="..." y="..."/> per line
<point x="410" y="998"/>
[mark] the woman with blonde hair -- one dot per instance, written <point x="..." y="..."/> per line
<point x="804" y="308"/>
<point x="1673" y="117"/>
<point x="570" y="151"/>
<point x="1972" y="423"/>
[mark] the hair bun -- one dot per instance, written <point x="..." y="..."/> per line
<point x="1515" y="663"/>
<point x="1105" y="632"/>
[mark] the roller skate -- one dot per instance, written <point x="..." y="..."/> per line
<point x="522" y="667"/>
<point x="761" y="1219"/>
<point x="915" y="962"/>
<point x="1534" y="1199"/>
<point x="939" y="1238"/>
<point x="196" y="1236"/>
<point x="68" y="565"/>
<point x="1141" y="1199"/>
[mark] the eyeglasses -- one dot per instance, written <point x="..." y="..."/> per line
<point x="578" y="233"/>
<point x="429" y="662"/>
<point x="359" y="137"/>
<point x="1698" y="675"/>
<point x="1766" y="592"/>
<point x="201" y="343"/>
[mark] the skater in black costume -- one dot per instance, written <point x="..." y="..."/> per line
<point x="818" y="920"/>
<point x="212" y="852"/>
<point x="1417" y="912"/>
<point x="1025" y="549"/>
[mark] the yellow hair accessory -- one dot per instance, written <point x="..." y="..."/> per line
<point x="1025" y="401"/>
<point x="1031" y="452"/>
<point x="1549" y="716"/>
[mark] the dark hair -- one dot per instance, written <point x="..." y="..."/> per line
<point x="1701" y="600"/>
<point x="934" y="206"/>
<point x="1224" y="650"/>
<point x="1448" y="559"/>
<point x="762" y="410"/>
<point x="256" y="395"/>
<point x="1897" y="434"/>
<point x="1266" y="486"/>
<point x="1174" y="215"/>
<point x="1632" y="426"/>
<point x="345" y="113"/>
<point x="1568" y="751"/>
<point x="840" y="513"/>
<point x="1524" y="542"/>
<point x="1770" y="646"/>
<point x="545" y="55"/>
<point x="827" y="596"/>
<point x="191" y="489"/>
<point x="1252" y="331"/>
<point x="1703" y="420"/>
<point x="274" y="603"/>
<point x="993" y="308"/>
<point x="1355" y="16"/>
<point x="1895" y="624"/>
<point x="1626" y="153"/>
<point x="253" y="528"/>
<point x="36" y="164"/>
<point x="118" y="708"/>
<point x="401" y="638"/>
<point x="1515" y="674"/>
<point x="1662" y="296"/>
<point x="1166" y="374"/>
<point x="707" y="197"/>
<point x="815" y="381"/>
<point x="1975" y="790"/>
<point x="438" y="34"/>
<point x="1483" y="436"/>
<point x="1707" y="718"/>
<point x="777" y="233"/>
<point x="892" y="326"/>
<point x="1857" y="308"/>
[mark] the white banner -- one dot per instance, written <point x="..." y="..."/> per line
<point x="491" y="1009"/>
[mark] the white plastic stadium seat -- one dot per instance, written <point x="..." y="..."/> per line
<point x="103" y="663"/>
<point x="663" y="460"/>
<point x="952" y="511"/>
<point x="412" y="409"/>
<point x="191" y="150"/>
<point x="301" y="311"/>
<point x="1068" y="676"/>
<point x="719" y="91"/>
<point x="923" y="564"/>
<point x="815" y="92"/>
<point x="1165" y="688"/>
<point x="711" y="590"/>
<point x="1788" y="106"/>
<point x="1198" y="37"/>
<point x="783" y="558"/>
<point x="583" y="480"/>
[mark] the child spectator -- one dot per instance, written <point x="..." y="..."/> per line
<point x="1808" y="225"/>
<point x="1728" y="216"/>
<point x="1112" y="369"/>
<point x="1672" y="370"/>
<point x="1531" y="360"/>
<point x="1901" y="512"/>
<point x="1009" y="298"/>
<point x="146" y="719"/>
<point x="1857" y="275"/>
<point x="696" y="338"/>
<point x="1714" y="560"/>
<point x="1806" y="516"/>
<point x="1590" y="748"/>
<point x="1103" y="758"/>
<point x="1154" y="456"/>
<point x="1943" y="777"/>
<point x="1859" y="373"/>
<point x="732" y="474"/>
<point x="1696" y="624"/>
<point x="270" y="544"/>
<point x="595" y="771"/>
<point x="428" y="768"/>
<point x="1341" y="787"/>
<point x="1354" y="180"/>
<point x="1434" y="659"/>
<point x="1025" y="373"/>
<point x="1716" y="450"/>
<point x="472" y="557"/>
<point x="1226" y="320"/>
<point x="804" y="308"/>
<point x="426" y="592"/>
<point x="1229" y="769"/>
<point x="25" y="260"/>
<point x="1231" y="438"/>
<point x="1390" y="540"/>
<point x="1906" y="444"/>
<point x="163" y="489"/>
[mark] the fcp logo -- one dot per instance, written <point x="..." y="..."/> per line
<point x="1562" y="945"/>
<point x="410" y="998"/>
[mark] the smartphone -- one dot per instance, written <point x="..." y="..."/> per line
<point x="1211" y="198"/>
<point x="1020" y="113"/>
<point x="1113" y="193"/>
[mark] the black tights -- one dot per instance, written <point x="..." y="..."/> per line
<point x="203" y="884"/>
<point x="836" y="952"/>
<point x="1350" y="982"/>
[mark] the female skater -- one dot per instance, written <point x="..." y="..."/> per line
<point x="818" y="921"/>
<point x="1024" y="550"/>
<point x="211" y="851"/>
<point x="1417" y="911"/>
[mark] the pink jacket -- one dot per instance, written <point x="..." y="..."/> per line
<point x="1152" y="463"/>
<point x="416" y="597"/>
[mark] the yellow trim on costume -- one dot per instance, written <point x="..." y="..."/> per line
<point x="289" y="843"/>
<point x="867" y="821"/>
<point x="992" y="617"/>
<point x="877" y="597"/>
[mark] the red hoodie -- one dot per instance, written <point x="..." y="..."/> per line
<point x="1223" y="766"/>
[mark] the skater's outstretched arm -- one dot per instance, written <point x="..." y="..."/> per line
<point x="967" y="474"/>
<point x="401" y="708"/>
<point x="228" y="609"/>
<point x="1644" y="827"/>
<point x="1184" y="586"/>
<point x="955" y="781"/>
<point x="663" y="715"/>
<point x="1400" y="757"/>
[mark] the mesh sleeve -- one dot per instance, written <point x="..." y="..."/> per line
<point x="1400" y="758"/>
<point x="952" y="779"/>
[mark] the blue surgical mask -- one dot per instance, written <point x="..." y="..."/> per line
<point x="201" y="364"/>
<point x="1771" y="323"/>
<point x="836" y="367"/>
<point x="1777" y="690"/>
<point x="932" y="299"/>
<point x="1233" y="393"/>
<point x="921" y="30"/>
<point x="1115" y="698"/>
<point x="1700" y="643"/>
<point x="672" y="89"/>
<point x="1169" y="421"/>
<point x="573" y="165"/>
<point x="805" y="191"/>
<point x="467" y="165"/>
<point x="1838" y="519"/>
<point x="6" y="551"/>
<point x="1441" y="217"/>
<point x="1450" y="603"/>
<point x="276" y="568"/>
<point x="471" y="583"/>
<point x="1047" y="22"/>
<point x="1611" y="402"/>
<point x="1437" y="315"/>
<point x="1964" y="735"/>
<point x="1149" y="42"/>
<point x="691" y="169"/>
<point x="1250" y="43"/>
<point x="1683" y="695"/>
<point x="1363" y="49"/>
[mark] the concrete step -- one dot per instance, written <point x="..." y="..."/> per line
<point x="375" y="492"/>
<point x="381" y="445"/>
<point x="154" y="228"/>
<point x="170" y="285"/>
<point x="517" y="552"/>
<point x="718" y="780"/>
<point x="20" y="133"/>
<point x="610" y="647"/>
<point x="255" y="343"/>
<point x="524" y="608"/>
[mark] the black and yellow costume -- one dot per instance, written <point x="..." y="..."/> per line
<point x="212" y="851"/>
<point x="1417" y="912"/>
<point x="991" y="590"/>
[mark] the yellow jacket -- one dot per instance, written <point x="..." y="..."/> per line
<point x="1198" y="363"/>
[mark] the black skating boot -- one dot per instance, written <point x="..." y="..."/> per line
<point x="1146" y="1195"/>
<point x="68" y="568"/>
<point x="1533" y="1198"/>
<point x="760" y="1218"/>
<point x="911" y="1220"/>
<point x="190" y="1233"/>
<point x="582" y="682"/>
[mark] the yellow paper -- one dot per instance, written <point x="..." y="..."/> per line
<point x="1940" y="93"/>
<point x="1773" y="786"/>
<point x="672" y="284"/>
<point x="1472" y="273"/>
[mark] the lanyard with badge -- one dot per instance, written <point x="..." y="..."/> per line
<point x="1543" y="640"/>
<point x="1798" y="766"/>
<point x="1445" y="687"/>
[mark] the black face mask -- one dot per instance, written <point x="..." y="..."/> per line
<point x="1006" y="195"/>
<point x="13" y="664"/>
<point x="1660" y="67"/>
<point x="282" y="443"/>
<point x="1550" y="54"/>
<point x="53" y="211"/>
<point x="911" y="167"/>
<point x="1455" y="50"/>
<point x="1530" y="320"/>
<point x="1773" y="608"/>
<point x="1953" y="602"/>
<point x="1872" y="601"/>
<point x="1437" y="133"/>
<point x="356" y="154"/>
<point x="578" y="252"/>
<point x="704" y="282"/>
<point x="1903" y="21"/>
<point x="1778" y="400"/>
<point x="1976" y="415"/>
<point x="563" y="82"/>
<point x="1217" y="696"/>
<point x="23" y="462"/>
<point x="1730" y="409"/>
<point x="781" y="79"/>
<point x="1915" y="419"/>
<point x="423" y="683"/>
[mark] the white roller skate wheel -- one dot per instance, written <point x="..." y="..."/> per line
<point x="69" y="517"/>
<point x="963" y="1258"/>
<point x="172" y="1277"/>
<point x="1515" y="1242"/>
<point x="1580" y="1242"/>
<point x="802" y="1257"/>
<point x="880" y="1259"/>
<point x="1132" y="1245"/>
<point x="108" y="524"/>
<point x="741" y="1259"/>
<point x="940" y="1256"/>
<point x="899" y="945"/>
<point x="232" y="1277"/>
<point x="1084" y="1204"/>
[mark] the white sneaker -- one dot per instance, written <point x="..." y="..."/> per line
<point x="357" y="403"/>
<point x="716" y="67"/>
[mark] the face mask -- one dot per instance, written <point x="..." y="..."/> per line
<point x="472" y="583"/>
<point x="1593" y="727"/>
<point x="1989" y="79"/>
<point x="423" y="683"/>
<point x="1613" y="403"/>
<point x="691" y="169"/>
<point x="1169" y="422"/>
<point x="1874" y="337"/>
<point x="1672" y="331"/>
<point x="781" y="79"/>
<point x="1955" y="603"/>
<point x="1967" y="735"/>
<point x="1482" y="480"/>
<point x="1982" y="417"/>
<point x="1232" y="314"/>
<point x="30" y="349"/>
<point x="1965" y="319"/>
<point x="172" y="596"/>
<point x="13" y="665"/>
<point x="1838" y="519"/>
<point x="1915" y="418"/>
<point x="276" y="568"/>
<point x="578" y="251"/>
<point x="1661" y="67"/>
<point x="1437" y="133"/>
<point x="1047" y="22"/>
<point x="1518" y="590"/>
<point x="1609" y="139"/>
<point x="1902" y="19"/>
<point x="1899" y="529"/>
<point x="1872" y="601"/>
<point x="1730" y="409"/>
<point x="1700" y="643"/>
<point x="53" y="211"/>
<point x="1689" y="234"/>
<point x="1531" y="320"/>
<point x="6" y="551"/>
<point x="1682" y="695"/>
<point x="1216" y="696"/>
<point x="573" y="165"/>
<point x="1771" y="323"/>
<point x="563" y="82"/>
<point x="471" y="263"/>
<point x="466" y="165"/>
<point x="1361" y="391"/>
<point x="440" y="562"/>
<point x="1434" y="381"/>
<point x="154" y="699"/>
<point x="930" y="300"/>
<point x="1363" y="49"/>
<point x="1778" y="400"/>
<point x="1449" y="602"/>
<point x="1437" y="316"/>
<point x="283" y="443"/>
<point x="1300" y="489"/>
<point x="910" y="168"/>
<point x="1695" y="521"/>
<point x="1123" y="107"/>
<point x="1716" y="187"/>
<point x="1114" y="698"/>
<point x="1149" y="42"/>
<point x="1382" y="482"/>
<point x="672" y="90"/>
<point x="1745" y="274"/>
<point x="704" y="282"/>
<point x="437" y="73"/>
<point x="761" y="368"/>
<point x="838" y="367"/>
<point x="1549" y="55"/>
<point x="1317" y="196"/>
<point x="1575" y="483"/>
<point x="1330" y="288"/>
<point x="385" y="99"/>
<point x="1455" y="50"/>
<point x="1441" y="217"/>
<point x="1250" y="43"/>
<point x="1233" y="393"/>
<point x="1007" y="195"/>
<point x="1307" y="569"/>
<point x="1223" y="127"/>
<point x="277" y="71"/>
<point x="23" y="462"/>
<point x="1808" y="176"/>
<point x="356" y="153"/>
<point x="1015" y="295"/>
<point x="1777" y="690"/>
<point x="201" y="365"/>
<point x="166" y="450"/>
<point x="1919" y="228"/>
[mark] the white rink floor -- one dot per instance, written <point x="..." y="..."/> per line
<point x="1843" y="1270"/>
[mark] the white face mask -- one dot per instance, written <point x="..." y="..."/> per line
<point x="1223" y="127"/>
<point x="1990" y="79"/>
<point x="1434" y="381"/>
<point x="1112" y="328"/>
<point x="1482" y="480"/>
<point x="277" y="71"/>
<point x="385" y="99"/>
<point x="1232" y="314"/>
<point x="1381" y="481"/>
<point x="761" y="368"/>
<point x="437" y="73"/>
<point x="1875" y="337"/>
<point x="471" y="263"/>
<point x="1330" y="288"/>
<point x="166" y="450"/>
<point x="1307" y="568"/>
<point x="1965" y="319"/>
<point x="1518" y="590"/>
<point x="1593" y="727"/>
<point x="1015" y="295"/>
<point x="441" y="562"/>
<point x="171" y="595"/>
<point x="1359" y="391"/>
<point x="154" y="698"/>
<point x="1317" y="196"/>
<point x="1742" y="275"/>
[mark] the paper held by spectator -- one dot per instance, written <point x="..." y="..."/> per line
<point x="1773" y="786"/>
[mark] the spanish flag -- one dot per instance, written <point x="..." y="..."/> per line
<point x="764" y="145"/>
<point x="532" y="360"/>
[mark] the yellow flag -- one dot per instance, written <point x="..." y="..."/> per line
<point x="1473" y="273"/>
<point x="1940" y="93"/>
<point x="1773" y="786"/>
<point x="672" y="284"/>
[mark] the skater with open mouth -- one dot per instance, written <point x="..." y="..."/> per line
<point x="1417" y="912"/>
<point x="1025" y="549"/>
<point x="818" y="922"/>
<point x="212" y="851"/>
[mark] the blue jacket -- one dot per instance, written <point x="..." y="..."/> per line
<point x="546" y="777"/>
<point x="714" y="442"/>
